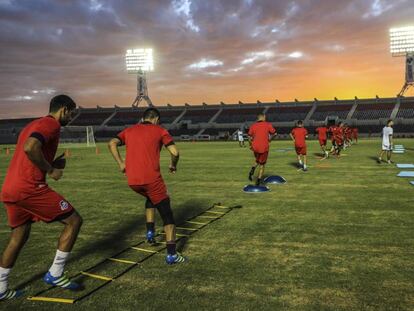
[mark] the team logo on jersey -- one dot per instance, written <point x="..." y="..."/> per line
<point x="63" y="205"/>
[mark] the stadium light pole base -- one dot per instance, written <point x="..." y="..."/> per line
<point x="274" y="180"/>
<point x="255" y="189"/>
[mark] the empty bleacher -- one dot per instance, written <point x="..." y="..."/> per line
<point x="125" y="118"/>
<point x="15" y="123"/>
<point x="369" y="111"/>
<point x="406" y="110"/>
<point x="323" y="111"/>
<point x="239" y="114"/>
<point x="199" y="115"/>
<point x="90" y="118"/>
<point x="285" y="113"/>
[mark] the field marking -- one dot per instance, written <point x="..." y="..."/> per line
<point x="197" y="223"/>
<point x="186" y="228"/>
<point x="214" y="212"/>
<point x="207" y="217"/>
<point x="96" y="276"/>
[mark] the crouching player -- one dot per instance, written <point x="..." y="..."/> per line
<point x="260" y="135"/>
<point x="299" y="135"/>
<point x="143" y="143"/>
<point x="28" y="198"/>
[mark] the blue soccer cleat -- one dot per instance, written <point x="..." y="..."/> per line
<point x="10" y="294"/>
<point x="174" y="259"/>
<point x="150" y="235"/>
<point x="60" y="281"/>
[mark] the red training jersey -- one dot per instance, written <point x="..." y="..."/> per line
<point x="260" y="132"/>
<point x="338" y="134"/>
<point x="24" y="178"/>
<point x="143" y="145"/>
<point x="299" y="134"/>
<point x="322" y="132"/>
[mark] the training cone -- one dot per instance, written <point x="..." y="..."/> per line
<point x="7" y="151"/>
<point x="255" y="189"/>
<point x="97" y="150"/>
<point x="274" y="180"/>
<point x="67" y="153"/>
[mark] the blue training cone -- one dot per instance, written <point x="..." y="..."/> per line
<point x="274" y="180"/>
<point x="255" y="189"/>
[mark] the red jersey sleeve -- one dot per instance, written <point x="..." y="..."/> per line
<point x="272" y="130"/>
<point x="122" y="136"/>
<point x="46" y="130"/>
<point x="166" y="138"/>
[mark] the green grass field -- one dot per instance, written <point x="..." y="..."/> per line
<point x="339" y="237"/>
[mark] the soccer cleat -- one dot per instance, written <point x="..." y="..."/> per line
<point x="10" y="294"/>
<point x="379" y="160"/>
<point x="174" y="259"/>
<point x="305" y="169"/>
<point x="150" y="235"/>
<point x="60" y="281"/>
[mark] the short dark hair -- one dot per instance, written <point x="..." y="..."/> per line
<point x="151" y="113"/>
<point x="300" y="122"/>
<point x="60" y="101"/>
<point x="389" y="121"/>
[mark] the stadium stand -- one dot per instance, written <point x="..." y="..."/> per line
<point x="368" y="115"/>
<point x="406" y="110"/>
<point x="323" y="111"/>
<point x="285" y="113"/>
<point x="238" y="114"/>
<point x="369" y="111"/>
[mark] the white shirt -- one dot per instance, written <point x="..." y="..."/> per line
<point x="240" y="135"/>
<point x="386" y="132"/>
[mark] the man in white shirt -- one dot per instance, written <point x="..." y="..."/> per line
<point x="240" y="137"/>
<point x="387" y="141"/>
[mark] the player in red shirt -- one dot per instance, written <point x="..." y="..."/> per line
<point x="143" y="143"/>
<point x="347" y="135"/>
<point x="322" y="132"/>
<point x="299" y="135"/>
<point x="27" y="197"/>
<point x="338" y="136"/>
<point x="260" y="135"/>
<point x="355" y="134"/>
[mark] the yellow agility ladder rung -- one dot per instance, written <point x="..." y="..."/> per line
<point x="50" y="299"/>
<point x="197" y="223"/>
<point x="214" y="212"/>
<point x="95" y="276"/>
<point x="190" y="229"/>
<point x="177" y="234"/>
<point x="221" y="206"/>
<point x="207" y="217"/>
<point x="144" y="250"/>
<point x="123" y="261"/>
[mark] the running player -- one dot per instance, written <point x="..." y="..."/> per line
<point x="323" y="137"/>
<point x="387" y="141"/>
<point x="143" y="143"/>
<point x="299" y="135"/>
<point x="347" y="135"/>
<point x="260" y="134"/>
<point x="27" y="197"/>
<point x="240" y="137"/>
<point x="338" y="136"/>
<point x="355" y="135"/>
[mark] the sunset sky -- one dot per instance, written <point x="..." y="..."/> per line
<point x="205" y="50"/>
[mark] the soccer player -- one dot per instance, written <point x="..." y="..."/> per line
<point x="387" y="141"/>
<point x="323" y="137"/>
<point x="260" y="134"/>
<point x="299" y="135"/>
<point x="355" y="134"/>
<point x="347" y="135"/>
<point x="143" y="143"/>
<point x="27" y="197"/>
<point x="240" y="137"/>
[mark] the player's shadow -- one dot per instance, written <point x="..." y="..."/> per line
<point x="373" y="158"/>
<point x="294" y="164"/>
<point x="118" y="240"/>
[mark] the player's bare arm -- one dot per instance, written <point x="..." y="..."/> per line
<point x="33" y="149"/>
<point x="291" y="136"/>
<point x="175" y="156"/>
<point x="113" y="145"/>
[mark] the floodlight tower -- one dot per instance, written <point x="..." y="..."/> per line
<point x="402" y="44"/>
<point x="139" y="62"/>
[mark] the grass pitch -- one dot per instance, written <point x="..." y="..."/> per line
<point x="339" y="237"/>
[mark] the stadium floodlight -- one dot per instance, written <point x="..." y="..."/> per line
<point x="139" y="62"/>
<point x="402" y="44"/>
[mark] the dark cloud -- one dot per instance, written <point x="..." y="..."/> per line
<point x="77" y="47"/>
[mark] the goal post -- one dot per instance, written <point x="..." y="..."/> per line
<point x="90" y="137"/>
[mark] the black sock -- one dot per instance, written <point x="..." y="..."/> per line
<point x="171" y="248"/>
<point x="150" y="226"/>
<point x="252" y="169"/>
